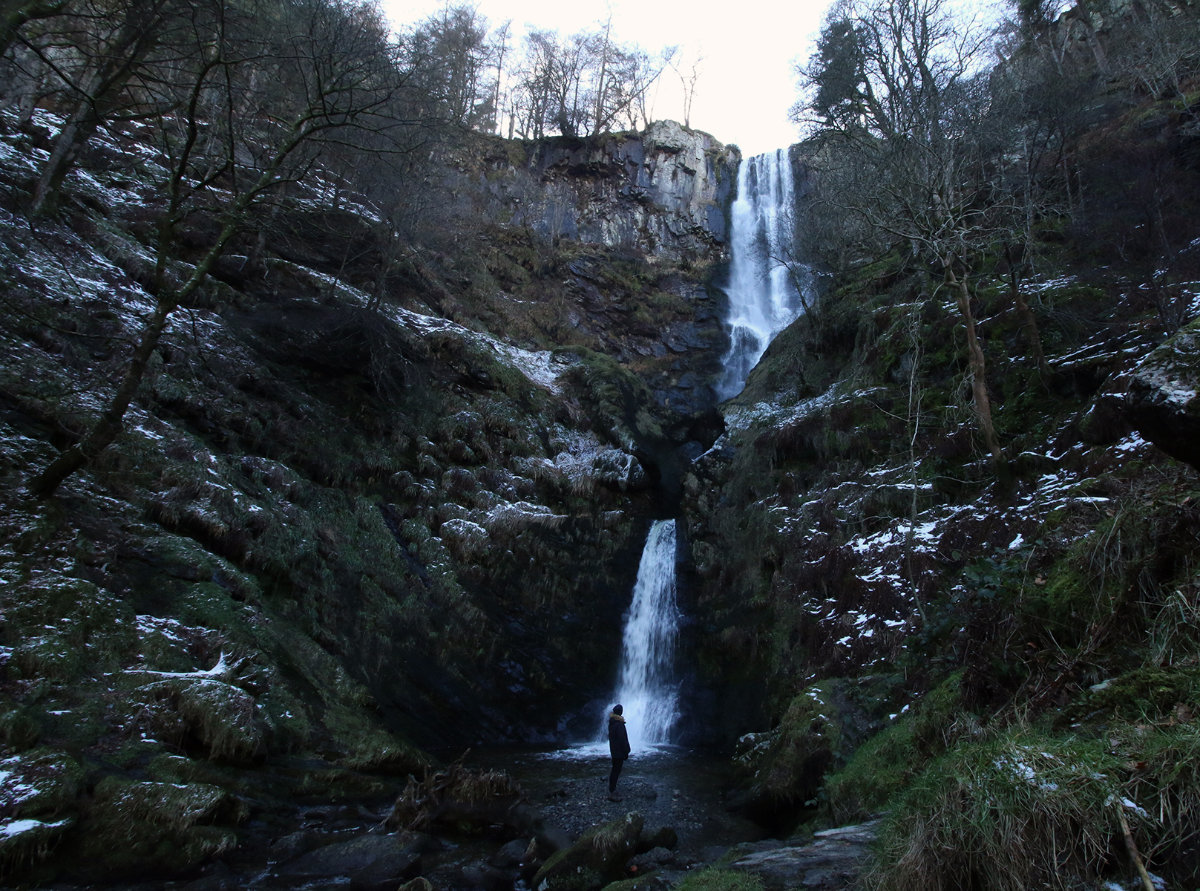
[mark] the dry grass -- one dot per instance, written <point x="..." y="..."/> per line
<point x="1029" y="810"/>
<point x="458" y="796"/>
<point x="1009" y="814"/>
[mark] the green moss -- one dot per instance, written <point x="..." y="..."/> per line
<point x="163" y="827"/>
<point x="340" y="784"/>
<point x="20" y="726"/>
<point x="613" y="396"/>
<point x="1149" y="692"/>
<point x="787" y="765"/>
<point x="65" y="627"/>
<point x="219" y="717"/>
<point x="886" y="763"/>
<point x="1049" y="798"/>
<point x="1066" y="596"/>
<point x="42" y="783"/>
<point x="33" y="843"/>
<point x="597" y="857"/>
<point x="720" y="880"/>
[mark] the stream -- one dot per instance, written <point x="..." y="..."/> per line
<point x="669" y="786"/>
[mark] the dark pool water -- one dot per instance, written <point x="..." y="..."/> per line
<point x="567" y="789"/>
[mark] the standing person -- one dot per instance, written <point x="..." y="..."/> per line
<point x="618" y="747"/>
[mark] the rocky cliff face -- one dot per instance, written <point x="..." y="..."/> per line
<point x="665" y="191"/>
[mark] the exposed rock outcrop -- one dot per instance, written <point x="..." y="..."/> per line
<point x="666" y="190"/>
<point x="834" y="859"/>
<point x="1162" y="400"/>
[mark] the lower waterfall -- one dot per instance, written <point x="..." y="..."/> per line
<point x="646" y="685"/>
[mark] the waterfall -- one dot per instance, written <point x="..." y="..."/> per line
<point x="763" y="299"/>
<point x="646" y="685"/>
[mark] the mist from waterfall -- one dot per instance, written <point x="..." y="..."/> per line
<point x="646" y="685"/>
<point x="763" y="298"/>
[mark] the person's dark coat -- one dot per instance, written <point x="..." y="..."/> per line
<point x="618" y="737"/>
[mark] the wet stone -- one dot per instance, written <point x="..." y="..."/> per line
<point x="365" y="861"/>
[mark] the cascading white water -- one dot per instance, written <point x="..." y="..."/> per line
<point x="763" y="298"/>
<point x="647" y="687"/>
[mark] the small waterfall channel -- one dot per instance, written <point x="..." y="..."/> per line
<point x="646" y="685"/>
<point x="763" y="296"/>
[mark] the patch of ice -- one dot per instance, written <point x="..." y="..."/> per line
<point x="1037" y="287"/>
<point x="10" y="828"/>
<point x="168" y="628"/>
<point x="218" y="671"/>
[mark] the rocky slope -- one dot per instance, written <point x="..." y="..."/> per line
<point x="336" y="535"/>
<point x="913" y="633"/>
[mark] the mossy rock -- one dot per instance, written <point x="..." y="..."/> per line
<point x="339" y="784"/>
<point x="161" y="828"/>
<point x="39" y="783"/>
<point x="787" y="764"/>
<point x="716" y="879"/>
<point x="25" y="841"/>
<point x="219" y="718"/>
<point x="1149" y="692"/>
<point x="38" y="799"/>
<point x="886" y="763"/>
<point x="650" y="882"/>
<point x="599" y="857"/>
<point x="20" y="727"/>
<point x="64" y="626"/>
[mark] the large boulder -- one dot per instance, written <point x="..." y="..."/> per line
<point x="37" y="797"/>
<point x="140" y="828"/>
<point x="370" y="861"/>
<point x="834" y="859"/>
<point x="598" y="858"/>
<point x="1161" y="396"/>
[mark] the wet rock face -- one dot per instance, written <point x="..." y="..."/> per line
<point x="1162" y="400"/>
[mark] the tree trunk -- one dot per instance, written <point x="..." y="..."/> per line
<point x="98" y="94"/>
<point x="75" y="133"/>
<point x="978" y="366"/>
<point x="1033" y="334"/>
<point x="1028" y="321"/>
<point x="110" y="423"/>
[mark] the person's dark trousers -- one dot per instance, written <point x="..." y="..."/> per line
<point x="616" y="772"/>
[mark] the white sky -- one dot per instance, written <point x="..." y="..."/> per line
<point x="749" y="48"/>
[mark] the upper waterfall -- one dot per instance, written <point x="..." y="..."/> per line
<point x="762" y="291"/>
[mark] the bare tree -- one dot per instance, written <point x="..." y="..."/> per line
<point x="584" y="85"/>
<point x="688" y="73"/>
<point x="116" y="40"/>
<point x="335" y="83"/>
<point x="900" y="88"/>
<point x="454" y="60"/>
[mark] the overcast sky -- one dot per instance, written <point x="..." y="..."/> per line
<point x="749" y="49"/>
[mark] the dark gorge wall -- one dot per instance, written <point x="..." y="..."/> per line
<point x="373" y="496"/>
